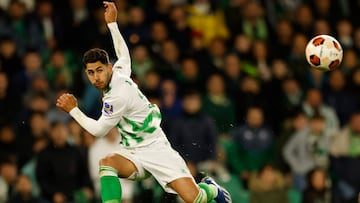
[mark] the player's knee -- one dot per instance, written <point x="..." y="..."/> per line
<point x="107" y="161"/>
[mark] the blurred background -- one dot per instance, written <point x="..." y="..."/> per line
<point x="238" y="99"/>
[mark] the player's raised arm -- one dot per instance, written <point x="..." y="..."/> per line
<point x="121" y="49"/>
<point x="98" y="128"/>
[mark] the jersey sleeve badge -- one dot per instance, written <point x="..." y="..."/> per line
<point x="108" y="109"/>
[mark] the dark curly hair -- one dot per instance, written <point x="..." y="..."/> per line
<point x="94" y="55"/>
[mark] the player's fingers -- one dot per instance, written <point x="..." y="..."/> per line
<point x="58" y="104"/>
<point x="106" y="3"/>
<point x="63" y="98"/>
<point x="70" y="96"/>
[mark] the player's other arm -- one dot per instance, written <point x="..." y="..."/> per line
<point x="121" y="49"/>
<point x="98" y="128"/>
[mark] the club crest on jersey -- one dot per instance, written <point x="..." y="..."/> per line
<point x="108" y="109"/>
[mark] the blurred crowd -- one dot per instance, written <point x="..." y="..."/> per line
<point x="238" y="99"/>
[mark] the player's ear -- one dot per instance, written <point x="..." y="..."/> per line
<point x="110" y="66"/>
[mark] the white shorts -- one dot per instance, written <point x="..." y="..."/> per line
<point x="158" y="159"/>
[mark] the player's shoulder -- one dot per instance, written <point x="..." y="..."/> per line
<point x="119" y="80"/>
<point x="119" y="86"/>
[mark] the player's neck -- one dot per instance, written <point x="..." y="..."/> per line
<point x="108" y="87"/>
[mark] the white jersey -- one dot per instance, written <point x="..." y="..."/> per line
<point x="124" y="106"/>
<point x="137" y="120"/>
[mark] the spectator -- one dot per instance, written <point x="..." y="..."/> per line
<point x="250" y="93"/>
<point x="206" y="18"/>
<point x="21" y="27"/>
<point x="100" y="33"/>
<point x="49" y="24"/>
<point x="55" y="114"/>
<point x="317" y="189"/>
<point x="315" y="79"/>
<point x="32" y="67"/>
<point x="137" y="30"/>
<point x="179" y="29"/>
<point x="322" y="27"/>
<point x="253" y="23"/>
<point x="344" y="143"/>
<point x="193" y="134"/>
<point x="232" y="17"/>
<point x="292" y="125"/>
<point x="308" y="149"/>
<point x="217" y="52"/>
<point x="87" y="140"/>
<point x="8" y="175"/>
<point x="326" y="9"/>
<point x="268" y="186"/>
<point x="170" y="106"/>
<point x="160" y="11"/>
<point x="141" y="62"/>
<point x="233" y="74"/>
<point x="274" y="94"/>
<point x="218" y="105"/>
<point x="39" y="85"/>
<point x="200" y="53"/>
<point x="304" y="19"/>
<point x="346" y="153"/>
<point x="350" y="61"/>
<point x="293" y="94"/>
<point x="189" y="76"/>
<point x="169" y="62"/>
<point x="38" y="129"/>
<point x="253" y="145"/>
<point x="8" y="145"/>
<point x="29" y="168"/>
<point x="357" y="40"/>
<point x="22" y="193"/>
<point x="313" y="104"/>
<point x="261" y="60"/>
<point x="242" y="46"/>
<point x="9" y="59"/>
<point x="78" y="23"/>
<point x="158" y="35"/>
<point x="152" y="83"/>
<point x="61" y="169"/>
<point x="38" y="103"/>
<point x="354" y="84"/>
<point x="299" y="67"/>
<point x="9" y="107"/>
<point x="338" y="97"/>
<point x="60" y="70"/>
<point x="344" y="31"/>
<point x="75" y="133"/>
<point x="281" y="46"/>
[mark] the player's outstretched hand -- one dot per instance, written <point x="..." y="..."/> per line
<point x="66" y="102"/>
<point x="110" y="12"/>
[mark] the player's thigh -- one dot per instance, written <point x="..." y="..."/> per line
<point x="124" y="166"/>
<point x="186" y="188"/>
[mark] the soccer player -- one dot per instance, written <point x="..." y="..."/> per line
<point x="144" y="149"/>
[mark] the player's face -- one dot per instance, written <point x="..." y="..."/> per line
<point x="99" y="74"/>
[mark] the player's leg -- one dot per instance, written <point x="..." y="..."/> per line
<point x="186" y="188"/>
<point x="204" y="192"/>
<point x="112" y="167"/>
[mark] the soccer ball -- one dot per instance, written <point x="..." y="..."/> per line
<point x="324" y="53"/>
